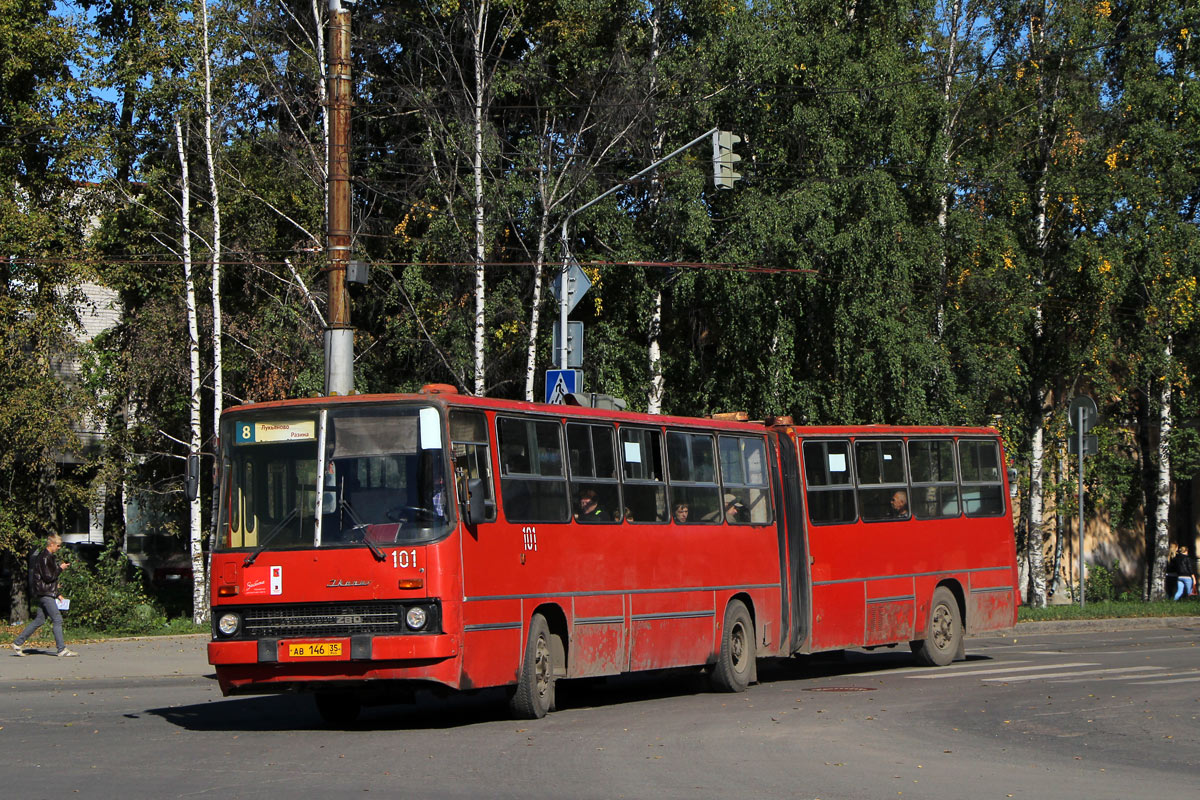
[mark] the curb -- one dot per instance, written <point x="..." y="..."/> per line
<point x="1093" y="625"/>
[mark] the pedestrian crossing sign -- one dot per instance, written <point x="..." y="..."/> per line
<point x="562" y="382"/>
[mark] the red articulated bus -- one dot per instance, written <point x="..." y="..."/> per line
<point x="368" y="546"/>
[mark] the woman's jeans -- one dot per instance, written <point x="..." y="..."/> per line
<point x="1183" y="586"/>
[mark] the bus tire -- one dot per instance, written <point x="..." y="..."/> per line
<point x="338" y="709"/>
<point x="534" y="695"/>
<point x="944" y="634"/>
<point x="735" y="662"/>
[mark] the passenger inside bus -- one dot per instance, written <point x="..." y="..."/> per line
<point x="589" y="508"/>
<point x="899" y="505"/>
<point x="735" y="510"/>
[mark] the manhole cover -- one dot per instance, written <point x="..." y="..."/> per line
<point x="841" y="689"/>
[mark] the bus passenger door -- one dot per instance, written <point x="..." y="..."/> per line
<point x="793" y="548"/>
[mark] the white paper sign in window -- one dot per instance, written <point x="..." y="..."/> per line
<point x="431" y="430"/>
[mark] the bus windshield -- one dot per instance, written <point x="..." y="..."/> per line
<point x="383" y="478"/>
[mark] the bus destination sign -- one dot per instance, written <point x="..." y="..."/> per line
<point x="276" y="431"/>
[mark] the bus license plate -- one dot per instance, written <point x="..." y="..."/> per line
<point x="315" y="650"/>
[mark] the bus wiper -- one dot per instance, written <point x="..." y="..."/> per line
<point x="379" y="556"/>
<point x="359" y="525"/>
<point x="271" y="534"/>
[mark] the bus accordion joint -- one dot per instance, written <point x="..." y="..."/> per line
<point x="412" y="583"/>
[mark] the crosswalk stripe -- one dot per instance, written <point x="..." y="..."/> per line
<point x="1193" y="679"/>
<point x="955" y="667"/>
<point x="964" y="673"/>
<point x="1052" y="675"/>
<point x="1121" y="676"/>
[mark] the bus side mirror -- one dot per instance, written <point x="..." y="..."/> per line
<point x="191" y="481"/>
<point x="1012" y="481"/>
<point x="473" y="509"/>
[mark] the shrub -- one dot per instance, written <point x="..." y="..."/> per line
<point x="1098" y="587"/>
<point x="109" y="597"/>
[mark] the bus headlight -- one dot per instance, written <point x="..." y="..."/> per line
<point x="228" y="624"/>
<point x="416" y="618"/>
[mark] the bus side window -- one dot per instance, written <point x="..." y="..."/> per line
<point x="934" y="478"/>
<point x="882" y="484"/>
<point x="533" y="485"/>
<point x="746" y="497"/>
<point x="693" y="476"/>
<point x="830" y="484"/>
<point x="982" y="483"/>
<point x="472" y="454"/>
<point x="594" y="472"/>
<point x="644" y="484"/>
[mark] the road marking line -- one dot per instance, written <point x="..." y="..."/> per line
<point x="960" y="673"/>
<point x="956" y="668"/>
<point x="1133" y="651"/>
<point x="1121" y="677"/>
<point x="1195" y="677"/>
<point x="1053" y="675"/>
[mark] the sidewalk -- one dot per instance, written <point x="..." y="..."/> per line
<point x="133" y="658"/>
<point x="187" y="656"/>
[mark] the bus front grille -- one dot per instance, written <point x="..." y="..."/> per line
<point x="339" y="619"/>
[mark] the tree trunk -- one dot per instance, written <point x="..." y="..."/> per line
<point x="1036" y="535"/>
<point x="322" y="90"/>
<point x="477" y="36"/>
<point x="1061" y="525"/>
<point x="1162" y="507"/>
<point x="943" y="215"/>
<point x="218" y="379"/>
<point x="18" y="609"/>
<point x="658" y="381"/>
<point x="195" y="524"/>
<point x="535" y="311"/>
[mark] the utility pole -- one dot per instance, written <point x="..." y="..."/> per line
<point x="339" y="335"/>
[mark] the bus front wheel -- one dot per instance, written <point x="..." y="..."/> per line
<point x="735" y="662"/>
<point x="944" y="635"/>
<point x="534" y="695"/>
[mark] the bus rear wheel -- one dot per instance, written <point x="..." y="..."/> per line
<point x="944" y="635"/>
<point x="338" y="709"/>
<point x="735" y="662"/>
<point x="534" y="695"/>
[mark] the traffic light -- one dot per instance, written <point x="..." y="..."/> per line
<point x="724" y="159"/>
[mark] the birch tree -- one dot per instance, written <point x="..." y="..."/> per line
<point x="1053" y="89"/>
<point x="577" y="83"/>
<point x="195" y="441"/>
<point x="215" y="257"/>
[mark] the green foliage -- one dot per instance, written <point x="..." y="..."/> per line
<point x="925" y="233"/>
<point x="1098" y="586"/>
<point x="109" y="597"/>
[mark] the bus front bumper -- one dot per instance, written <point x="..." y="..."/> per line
<point x="272" y="665"/>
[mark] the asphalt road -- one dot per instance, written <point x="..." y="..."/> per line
<point x="1043" y="712"/>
